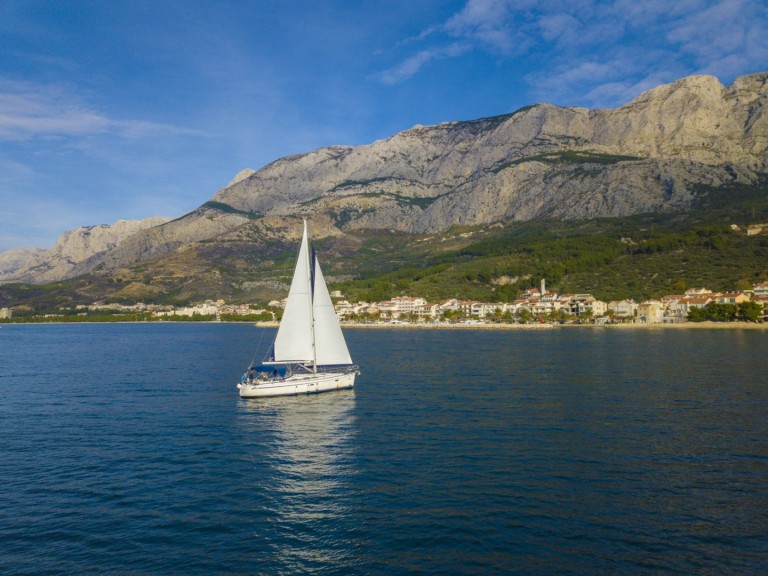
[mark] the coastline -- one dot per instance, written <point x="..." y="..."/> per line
<point x="708" y="325"/>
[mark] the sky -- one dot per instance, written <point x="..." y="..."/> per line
<point x="126" y="109"/>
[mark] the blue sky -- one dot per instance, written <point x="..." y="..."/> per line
<point x="133" y="108"/>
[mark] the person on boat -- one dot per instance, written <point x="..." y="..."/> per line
<point x="244" y="377"/>
<point x="250" y="374"/>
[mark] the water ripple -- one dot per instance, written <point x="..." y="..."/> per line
<point x="127" y="451"/>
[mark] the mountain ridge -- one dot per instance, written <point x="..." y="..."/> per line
<point x="653" y="154"/>
<point x="74" y="247"/>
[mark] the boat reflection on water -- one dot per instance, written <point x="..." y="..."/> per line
<point x="308" y="444"/>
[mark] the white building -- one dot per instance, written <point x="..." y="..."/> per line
<point x="698" y="291"/>
<point x="732" y="298"/>
<point x="578" y="304"/>
<point x="492" y="308"/>
<point x="544" y="307"/>
<point x="623" y="309"/>
<point x="650" y="312"/>
<point x="5" y="313"/>
<point x="693" y="302"/>
<point x="760" y="289"/>
<point x="202" y="310"/>
<point x="599" y="308"/>
<point x="408" y="304"/>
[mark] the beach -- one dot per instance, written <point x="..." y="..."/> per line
<point x="708" y="325"/>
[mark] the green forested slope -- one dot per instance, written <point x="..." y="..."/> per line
<point x="640" y="257"/>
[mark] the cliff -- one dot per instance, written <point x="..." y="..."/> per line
<point x="661" y="152"/>
<point x="544" y="160"/>
<point x="70" y="251"/>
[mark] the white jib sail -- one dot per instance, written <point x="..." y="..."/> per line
<point x="330" y="347"/>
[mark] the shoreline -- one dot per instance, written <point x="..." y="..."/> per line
<point x="681" y="326"/>
<point x="707" y="325"/>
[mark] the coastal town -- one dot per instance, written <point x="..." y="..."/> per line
<point x="534" y="306"/>
<point x="537" y="305"/>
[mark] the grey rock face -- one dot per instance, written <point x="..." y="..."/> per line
<point x="71" y="249"/>
<point x="649" y="155"/>
<point x="11" y="261"/>
<point x="644" y="156"/>
<point x="201" y="224"/>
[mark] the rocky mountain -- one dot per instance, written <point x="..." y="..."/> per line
<point x="661" y="152"/>
<point x="16" y="259"/>
<point x="71" y="250"/>
<point x="569" y="163"/>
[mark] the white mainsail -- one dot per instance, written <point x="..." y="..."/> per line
<point x="309" y="331"/>
<point x="293" y="343"/>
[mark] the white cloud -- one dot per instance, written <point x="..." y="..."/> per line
<point x="484" y="21"/>
<point x="604" y="81"/>
<point x="30" y="110"/>
<point x="485" y="24"/>
<point x="725" y="33"/>
<point x="600" y="53"/>
<point x="411" y="66"/>
<point x="610" y="94"/>
<point x="558" y="27"/>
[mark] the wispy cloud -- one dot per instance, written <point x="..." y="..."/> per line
<point x="723" y="35"/>
<point x="602" y="81"/>
<point x="600" y="53"/>
<point x="411" y="65"/>
<point x="40" y="110"/>
<point x="490" y="23"/>
<point x="481" y="24"/>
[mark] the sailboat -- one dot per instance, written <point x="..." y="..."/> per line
<point x="309" y="354"/>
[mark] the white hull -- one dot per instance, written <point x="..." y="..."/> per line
<point x="298" y="384"/>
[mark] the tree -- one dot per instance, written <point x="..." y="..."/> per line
<point x="750" y="312"/>
<point x="526" y="316"/>
<point x="697" y="315"/>
<point x="722" y="312"/>
<point x="371" y="317"/>
<point x="714" y="312"/>
<point x="585" y="317"/>
<point x="449" y="314"/>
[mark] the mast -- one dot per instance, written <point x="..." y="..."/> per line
<point x="311" y="264"/>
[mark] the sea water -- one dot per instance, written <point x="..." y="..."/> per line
<point x="125" y="449"/>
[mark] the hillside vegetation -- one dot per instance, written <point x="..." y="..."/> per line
<point x="638" y="258"/>
<point x="641" y="257"/>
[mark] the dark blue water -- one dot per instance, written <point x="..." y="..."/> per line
<point x="124" y="449"/>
